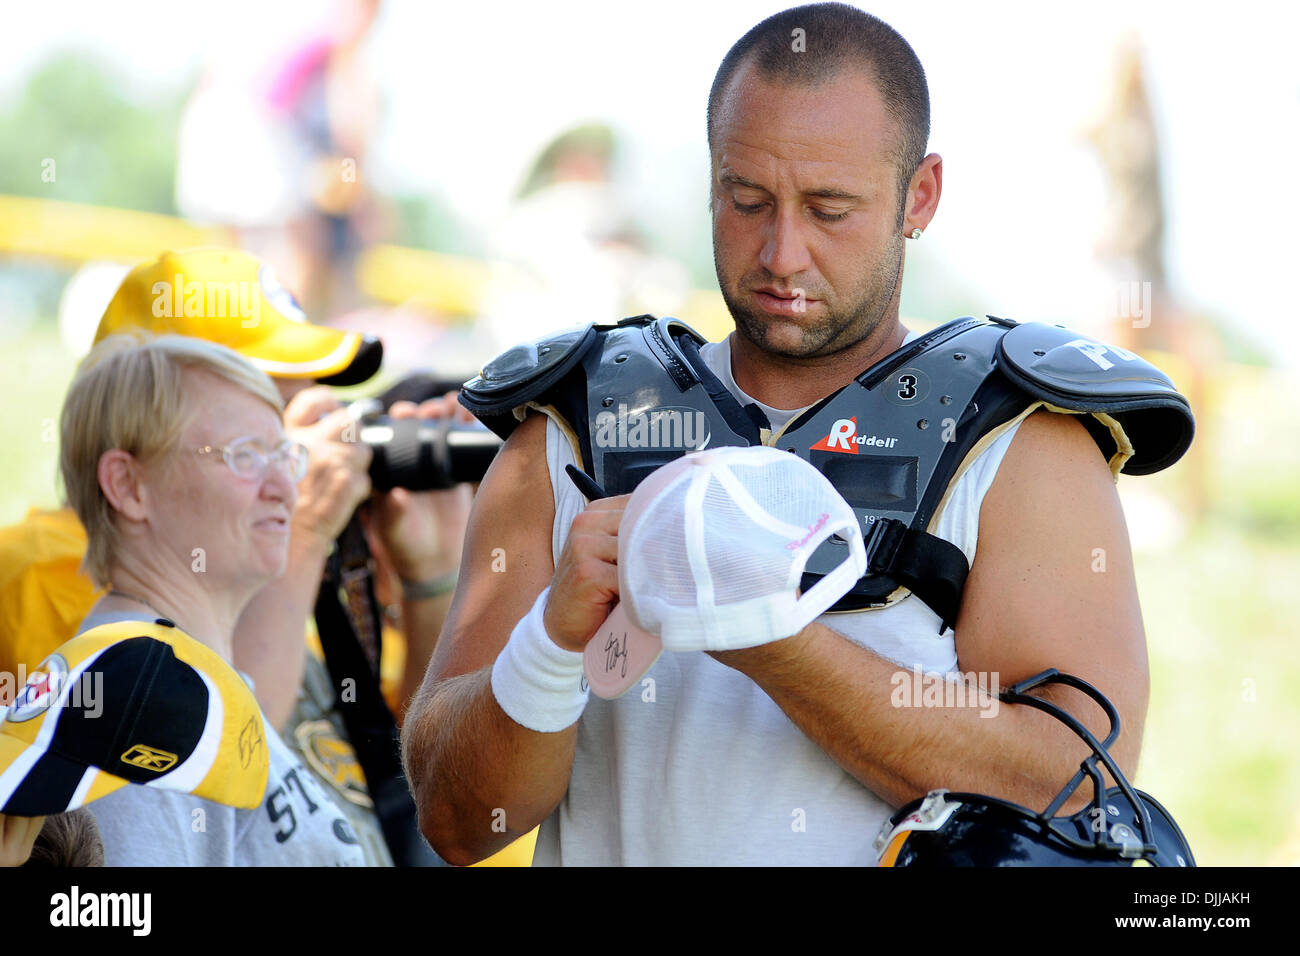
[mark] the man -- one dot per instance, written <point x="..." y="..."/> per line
<point x="791" y="751"/>
<point x="232" y="298"/>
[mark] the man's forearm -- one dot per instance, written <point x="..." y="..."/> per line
<point x="841" y="696"/>
<point x="270" y="636"/>
<point x="422" y="621"/>
<point x="480" y="780"/>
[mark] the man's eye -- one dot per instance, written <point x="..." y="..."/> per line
<point x="830" y="217"/>
<point x="746" y="210"/>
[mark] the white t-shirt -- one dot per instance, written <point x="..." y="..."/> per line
<point x="701" y="767"/>
<point x="297" y="823"/>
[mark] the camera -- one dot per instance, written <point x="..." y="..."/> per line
<point x="422" y="454"/>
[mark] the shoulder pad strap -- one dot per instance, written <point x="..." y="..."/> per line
<point x="1081" y="374"/>
<point x="649" y="371"/>
<point x="669" y="338"/>
<point x="518" y="375"/>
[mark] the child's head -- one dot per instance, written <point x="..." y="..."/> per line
<point x="67" y="840"/>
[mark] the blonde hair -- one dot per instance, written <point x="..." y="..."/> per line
<point x="129" y="393"/>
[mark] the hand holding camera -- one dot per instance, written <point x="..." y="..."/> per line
<point x="337" y="478"/>
<point x="421" y="530"/>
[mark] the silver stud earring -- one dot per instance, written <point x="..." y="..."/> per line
<point x="916" y="233"/>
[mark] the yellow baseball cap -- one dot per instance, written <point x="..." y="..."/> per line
<point x="234" y="299"/>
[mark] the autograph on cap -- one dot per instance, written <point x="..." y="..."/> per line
<point x="250" y="741"/>
<point x="614" y="649"/>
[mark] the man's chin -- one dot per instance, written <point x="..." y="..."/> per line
<point x="777" y="335"/>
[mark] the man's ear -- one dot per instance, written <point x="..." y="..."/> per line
<point x="119" y="479"/>
<point x="923" y="194"/>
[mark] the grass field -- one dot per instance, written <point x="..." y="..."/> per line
<point x="1222" y="748"/>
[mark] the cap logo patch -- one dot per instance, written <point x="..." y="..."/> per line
<point x="42" y="690"/>
<point x="149" y="758"/>
<point x="279" y="297"/>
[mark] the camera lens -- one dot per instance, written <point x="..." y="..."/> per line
<point x="423" y="454"/>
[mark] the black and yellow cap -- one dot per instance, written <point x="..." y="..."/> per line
<point x="234" y="299"/>
<point x="131" y="703"/>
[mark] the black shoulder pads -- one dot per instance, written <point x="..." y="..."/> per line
<point x="518" y="375"/>
<point x="559" y="369"/>
<point x="1081" y="374"/>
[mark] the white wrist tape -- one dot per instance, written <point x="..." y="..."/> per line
<point x="538" y="683"/>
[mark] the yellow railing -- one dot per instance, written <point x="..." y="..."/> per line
<point x="451" y="286"/>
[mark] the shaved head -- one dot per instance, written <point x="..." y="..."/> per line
<point x="812" y="45"/>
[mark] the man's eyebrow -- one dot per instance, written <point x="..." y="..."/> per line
<point x="830" y="192"/>
<point x="729" y="178"/>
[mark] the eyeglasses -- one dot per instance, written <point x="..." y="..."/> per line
<point x="248" y="457"/>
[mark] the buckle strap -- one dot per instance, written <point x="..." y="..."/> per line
<point x="933" y="569"/>
<point x="738" y="417"/>
<point x="882" y="543"/>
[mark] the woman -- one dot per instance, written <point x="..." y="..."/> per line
<point x="175" y="460"/>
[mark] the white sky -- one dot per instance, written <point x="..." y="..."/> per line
<point x="472" y="90"/>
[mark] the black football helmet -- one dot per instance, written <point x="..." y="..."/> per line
<point x="1121" y="827"/>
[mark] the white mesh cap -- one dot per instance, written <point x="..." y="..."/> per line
<point x="711" y="550"/>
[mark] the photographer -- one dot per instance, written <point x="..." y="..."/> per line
<point x="231" y="298"/>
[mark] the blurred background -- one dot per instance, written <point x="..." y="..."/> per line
<point x="459" y="179"/>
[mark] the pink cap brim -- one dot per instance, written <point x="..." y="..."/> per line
<point x="618" y="655"/>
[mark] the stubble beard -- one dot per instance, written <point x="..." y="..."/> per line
<point x="838" y="329"/>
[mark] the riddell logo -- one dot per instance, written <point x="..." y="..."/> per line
<point x="845" y="439"/>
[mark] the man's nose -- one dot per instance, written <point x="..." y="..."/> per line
<point x="785" y="249"/>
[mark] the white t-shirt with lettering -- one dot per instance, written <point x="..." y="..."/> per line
<point x="297" y="823"/>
